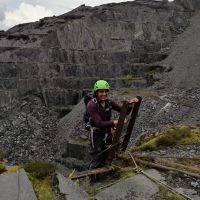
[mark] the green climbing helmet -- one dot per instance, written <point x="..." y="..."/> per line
<point x="101" y="85"/>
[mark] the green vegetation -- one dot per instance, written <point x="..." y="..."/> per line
<point x="194" y="162"/>
<point x="39" y="169"/>
<point x="91" y="190"/>
<point x="127" y="174"/>
<point x="2" y="154"/>
<point x="2" y="168"/>
<point x="43" y="188"/>
<point x="167" y="195"/>
<point x="198" y="124"/>
<point x="41" y="176"/>
<point x="12" y="170"/>
<point x="177" y="135"/>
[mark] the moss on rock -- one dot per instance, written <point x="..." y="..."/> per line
<point x="174" y="136"/>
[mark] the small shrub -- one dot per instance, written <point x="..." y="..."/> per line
<point x="39" y="169"/>
<point x="198" y="124"/>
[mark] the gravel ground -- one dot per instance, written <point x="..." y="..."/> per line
<point x="28" y="130"/>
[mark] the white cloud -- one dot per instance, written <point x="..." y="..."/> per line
<point x="2" y="14"/>
<point x="33" y="10"/>
<point x="24" y="13"/>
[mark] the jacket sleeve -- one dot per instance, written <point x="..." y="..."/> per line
<point x="118" y="108"/>
<point x="96" y="118"/>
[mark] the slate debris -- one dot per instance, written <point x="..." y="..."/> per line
<point x="16" y="185"/>
<point x="68" y="188"/>
<point x="137" y="187"/>
<point x="28" y="131"/>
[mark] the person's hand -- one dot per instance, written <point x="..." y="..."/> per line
<point x="134" y="100"/>
<point x="115" y="122"/>
<point x="125" y="121"/>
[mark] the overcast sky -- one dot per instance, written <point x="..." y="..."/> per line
<point x="13" y="12"/>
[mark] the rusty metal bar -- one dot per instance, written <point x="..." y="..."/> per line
<point x="157" y="166"/>
<point x="115" y="146"/>
<point x="94" y="172"/>
<point x="131" y="124"/>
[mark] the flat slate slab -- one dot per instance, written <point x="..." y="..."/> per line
<point x="70" y="189"/>
<point x="16" y="186"/>
<point x="137" y="187"/>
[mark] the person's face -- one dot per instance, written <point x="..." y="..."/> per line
<point x="102" y="95"/>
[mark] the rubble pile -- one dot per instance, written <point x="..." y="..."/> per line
<point x="28" y="130"/>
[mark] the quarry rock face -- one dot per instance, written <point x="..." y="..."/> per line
<point x="185" y="58"/>
<point x="47" y="66"/>
<point x="60" y="57"/>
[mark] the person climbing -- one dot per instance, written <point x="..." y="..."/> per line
<point x="99" y="109"/>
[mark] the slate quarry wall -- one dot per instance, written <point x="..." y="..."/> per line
<point x="60" y="57"/>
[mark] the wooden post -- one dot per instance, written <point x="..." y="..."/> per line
<point x="93" y="172"/>
<point x="131" y="124"/>
<point x="115" y="144"/>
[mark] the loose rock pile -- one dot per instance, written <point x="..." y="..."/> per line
<point x="28" y="130"/>
<point x="159" y="113"/>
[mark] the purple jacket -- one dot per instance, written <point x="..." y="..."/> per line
<point x="101" y="117"/>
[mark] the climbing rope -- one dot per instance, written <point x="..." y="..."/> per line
<point x="139" y="170"/>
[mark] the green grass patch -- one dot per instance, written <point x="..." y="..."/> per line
<point x="12" y="170"/>
<point x="2" y="168"/>
<point x="194" y="162"/>
<point x="198" y="124"/>
<point x="172" y="137"/>
<point x="127" y="174"/>
<point x="90" y="189"/>
<point x="39" y="169"/>
<point x="167" y="195"/>
<point x="193" y="139"/>
<point x="43" y="188"/>
<point x="41" y="175"/>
